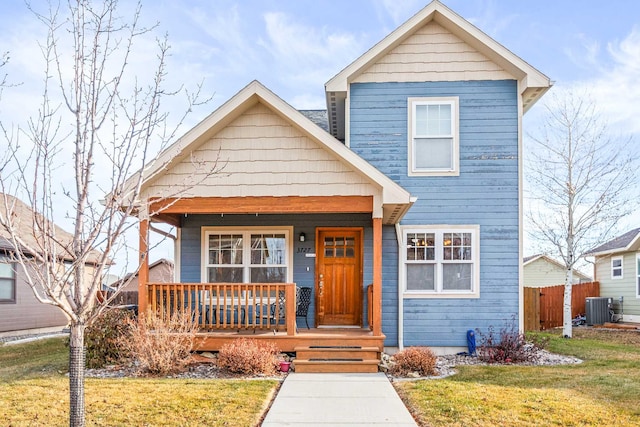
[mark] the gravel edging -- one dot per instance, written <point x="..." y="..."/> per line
<point x="445" y="365"/>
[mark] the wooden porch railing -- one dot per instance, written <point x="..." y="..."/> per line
<point x="228" y="306"/>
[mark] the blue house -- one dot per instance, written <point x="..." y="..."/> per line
<point x="401" y="212"/>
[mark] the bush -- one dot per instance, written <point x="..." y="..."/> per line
<point x="249" y="357"/>
<point x="506" y="346"/>
<point x="101" y="338"/>
<point x="414" y="359"/>
<point x="160" y="346"/>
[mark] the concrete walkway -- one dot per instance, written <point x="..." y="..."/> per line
<point x="337" y="400"/>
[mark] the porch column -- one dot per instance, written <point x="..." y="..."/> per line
<point x="377" y="276"/>
<point x="143" y="271"/>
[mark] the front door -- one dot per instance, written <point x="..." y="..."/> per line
<point x="339" y="277"/>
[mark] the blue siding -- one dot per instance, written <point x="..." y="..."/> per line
<point x="485" y="193"/>
<point x="190" y="260"/>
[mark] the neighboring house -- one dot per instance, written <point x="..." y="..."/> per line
<point x="160" y="271"/>
<point x="618" y="271"/>
<point x="405" y="219"/>
<point x="20" y="311"/>
<point x="541" y="270"/>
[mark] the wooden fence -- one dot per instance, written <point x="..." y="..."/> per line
<point x="543" y="306"/>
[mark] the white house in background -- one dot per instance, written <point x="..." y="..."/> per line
<point x="618" y="271"/>
<point x="541" y="270"/>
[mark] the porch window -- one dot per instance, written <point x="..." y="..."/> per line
<point x="441" y="262"/>
<point x="246" y="256"/>
<point x="7" y="281"/>
<point x="433" y="136"/>
<point x="616" y="267"/>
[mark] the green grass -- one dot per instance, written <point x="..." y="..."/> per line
<point x="34" y="391"/>
<point x="603" y="390"/>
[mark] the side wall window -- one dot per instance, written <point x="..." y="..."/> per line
<point x="441" y="261"/>
<point x="616" y="267"/>
<point x="433" y="137"/>
<point x="7" y="281"/>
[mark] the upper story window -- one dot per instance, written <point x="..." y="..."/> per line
<point x="441" y="261"/>
<point x="7" y="280"/>
<point x="246" y="256"/>
<point x="433" y="137"/>
<point x="616" y="268"/>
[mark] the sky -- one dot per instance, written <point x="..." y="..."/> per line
<point x="295" y="46"/>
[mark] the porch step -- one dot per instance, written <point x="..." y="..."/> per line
<point x="321" y="359"/>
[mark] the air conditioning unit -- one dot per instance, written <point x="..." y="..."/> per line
<point x="597" y="309"/>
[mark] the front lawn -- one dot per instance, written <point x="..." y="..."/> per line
<point x="34" y="390"/>
<point x="604" y="390"/>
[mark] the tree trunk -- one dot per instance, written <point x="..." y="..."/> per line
<point x="567" y="326"/>
<point x="76" y="375"/>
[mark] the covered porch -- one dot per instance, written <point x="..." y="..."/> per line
<point x="267" y="310"/>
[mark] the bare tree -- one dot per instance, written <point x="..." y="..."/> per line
<point x="93" y="133"/>
<point x="581" y="180"/>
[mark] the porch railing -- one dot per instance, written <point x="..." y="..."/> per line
<point x="228" y="306"/>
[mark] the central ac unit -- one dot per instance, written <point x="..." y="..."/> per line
<point x="597" y="309"/>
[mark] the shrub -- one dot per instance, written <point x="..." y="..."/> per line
<point x="249" y="357"/>
<point x="160" y="346"/>
<point x="414" y="359"/>
<point x="505" y="346"/>
<point x="101" y="338"/>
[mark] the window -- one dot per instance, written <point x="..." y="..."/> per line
<point x="433" y="136"/>
<point x="616" y="267"/>
<point x="441" y="261"/>
<point x="7" y="280"/>
<point x="246" y="256"/>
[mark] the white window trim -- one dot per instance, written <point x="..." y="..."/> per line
<point x="475" y="256"/>
<point x="205" y="231"/>
<point x="621" y="258"/>
<point x="455" y="124"/>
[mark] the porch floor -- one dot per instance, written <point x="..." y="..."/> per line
<point x="214" y="340"/>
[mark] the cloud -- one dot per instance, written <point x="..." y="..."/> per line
<point x="400" y="11"/>
<point x="306" y="55"/>
<point x="615" y="87"/>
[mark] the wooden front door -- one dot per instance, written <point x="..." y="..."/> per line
<point x="339" y="277"/>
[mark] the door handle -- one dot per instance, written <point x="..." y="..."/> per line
<point x="321" y="283"/>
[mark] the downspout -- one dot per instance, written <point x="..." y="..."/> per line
<point x="400" y="290"/>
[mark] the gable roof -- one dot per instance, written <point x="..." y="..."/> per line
<point x="23" y="218"/>
<point x="533" y="258"/>
<point x="629" y="241"/>
<point x="533" y="83"/>
<point x="395" y="199"/>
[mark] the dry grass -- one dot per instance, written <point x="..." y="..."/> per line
<point x="138" y="402"/>
<point x="34" y="391"/>
<point x="604" y="390"/>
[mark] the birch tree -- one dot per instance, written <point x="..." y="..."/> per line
<point x="581" y="180"/>
<point x="96" y="125"/>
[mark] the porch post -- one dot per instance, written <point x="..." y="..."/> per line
<point x="377" y="276"/>
<point x="143" y="272"/>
